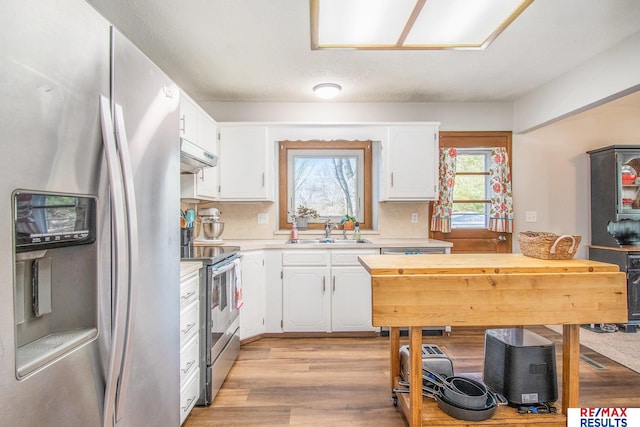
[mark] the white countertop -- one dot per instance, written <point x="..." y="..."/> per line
<point x="376" y="243"/>
<point x="187" y="267"/>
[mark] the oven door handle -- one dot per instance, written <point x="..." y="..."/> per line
<point x="223" y="269"/>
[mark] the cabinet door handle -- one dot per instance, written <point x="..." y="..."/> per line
<point x="324" y="288"/>
<point x="262" y="179"/>
<point x="188" y="328"/>
<point x="392" y="179"/>
<point x="188" y="295"/>
<point x="188" y="366"/>
<point x="183" y="120"/>
<point x="189" y="400"/>
<point x="334" y="284"/>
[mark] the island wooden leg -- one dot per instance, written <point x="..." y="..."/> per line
<point x="570" y="366"/>
<point x="394" y="338"/>
<point x="415" y="379"/>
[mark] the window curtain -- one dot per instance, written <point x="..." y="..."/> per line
<point x="442" y="209"/>
<point x="501" y="214"/>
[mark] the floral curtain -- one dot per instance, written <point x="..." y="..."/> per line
<point x="501" y="214"/>
<point x="442" y="209"/>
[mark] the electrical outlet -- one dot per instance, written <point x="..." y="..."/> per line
<point x="531" y="216"/>
<point x="414" y="217"/>
<point x="263" y="218"/>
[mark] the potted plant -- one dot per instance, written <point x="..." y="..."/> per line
<point x="301" y="216"/>
<point x="348" y="222"/>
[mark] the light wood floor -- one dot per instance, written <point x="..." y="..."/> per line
<point x="345" y="381"/>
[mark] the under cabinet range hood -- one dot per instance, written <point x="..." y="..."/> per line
<point x="194" y="158"/>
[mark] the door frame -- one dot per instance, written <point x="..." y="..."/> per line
<point x="476" y="240"/>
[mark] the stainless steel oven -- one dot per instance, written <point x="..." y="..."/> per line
<point x="223" y="338"/>
<point x="219" y="315"/>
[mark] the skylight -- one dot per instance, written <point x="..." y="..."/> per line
<point x="410" y="24"/>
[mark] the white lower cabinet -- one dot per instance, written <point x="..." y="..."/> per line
<point x="252" y="313"/>
<point x="351" y="291"/>
<point x="189" y="357"/>
<point x="273" y="291"/>
<point x="189" y="394"/>
<point x="189" y="322"/>
<point x="351" y="299"/>
<point x="189" y="338"/>
<point x="305" y="299"/>
<point x="325" y="291"/>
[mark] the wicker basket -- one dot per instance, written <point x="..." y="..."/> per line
<point x="548" y="245"/>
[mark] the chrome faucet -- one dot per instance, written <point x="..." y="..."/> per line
<point x="327" y="229"/>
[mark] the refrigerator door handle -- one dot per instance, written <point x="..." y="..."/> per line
<point x="132" y="241"/>
<point x="119" y="268"/>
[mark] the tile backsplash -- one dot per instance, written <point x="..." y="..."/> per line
<point x="241" y="219"/>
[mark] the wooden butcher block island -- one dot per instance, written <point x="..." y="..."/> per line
<point x="496" y="290"/>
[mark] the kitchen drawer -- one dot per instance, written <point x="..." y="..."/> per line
<point x="189" y="356"/>
<point x="350" y="256"/>
<point x="305" y="257"/>
<point x="189" y="319"/>
<point x="189" y="394"/>
<point x="189" y="289"/>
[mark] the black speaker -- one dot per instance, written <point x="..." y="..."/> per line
<point x="520" y="365"/>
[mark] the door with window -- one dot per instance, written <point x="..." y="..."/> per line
<point x="472" y="193"/>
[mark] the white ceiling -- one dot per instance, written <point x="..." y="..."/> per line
<point x="259" y="50"/>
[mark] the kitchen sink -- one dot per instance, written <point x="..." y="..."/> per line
<point x="351" y="241"/>
<point x="327" y="241"/>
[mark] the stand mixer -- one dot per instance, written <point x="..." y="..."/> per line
<point x="210" y="226"/>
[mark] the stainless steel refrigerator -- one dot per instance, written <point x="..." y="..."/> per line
<point x="89" y="214"/>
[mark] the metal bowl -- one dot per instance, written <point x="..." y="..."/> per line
<point x="212" y="230"/>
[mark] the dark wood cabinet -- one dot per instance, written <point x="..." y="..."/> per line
<point x="628" y="259"/>
<point x="615" y="193"/>
<point x="615" y="198"/>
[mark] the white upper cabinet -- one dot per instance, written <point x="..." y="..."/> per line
<point x="188" y="118"/>
<point x="198" y="127"/>
<point x="410" y="163"/>
<point x="245" y="164"/>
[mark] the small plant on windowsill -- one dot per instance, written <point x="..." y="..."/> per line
<point x="348" y="222"/>
<point x="301" y="216"/>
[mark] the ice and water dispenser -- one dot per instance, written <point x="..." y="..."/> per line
<point x="56" y="279"/>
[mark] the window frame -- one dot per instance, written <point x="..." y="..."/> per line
<point x="284" y="148"/>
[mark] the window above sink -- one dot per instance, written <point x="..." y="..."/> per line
<point x="332" y="177"/>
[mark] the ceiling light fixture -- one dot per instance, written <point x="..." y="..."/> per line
<point x="327" y="90"/>
<point x="410" y="24"/>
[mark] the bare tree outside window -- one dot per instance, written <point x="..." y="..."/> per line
<point x="327" y="184"/>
